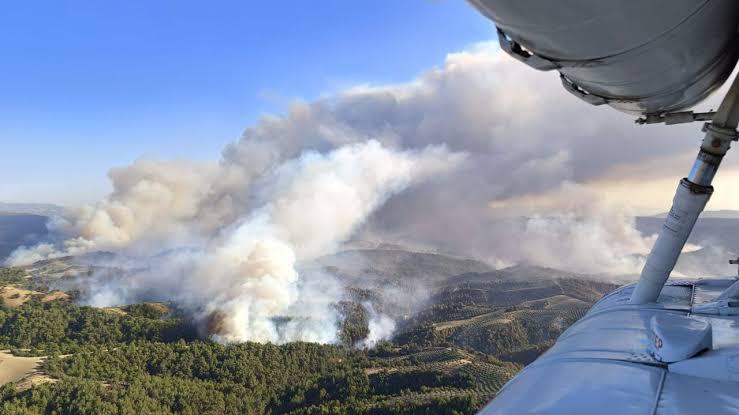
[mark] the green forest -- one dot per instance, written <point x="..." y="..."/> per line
<point x="450" y="358"/>
<point x="106" y="363"/>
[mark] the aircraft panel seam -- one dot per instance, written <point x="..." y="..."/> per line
<point x="659" y="392"/>
<point x="692" y="299"/>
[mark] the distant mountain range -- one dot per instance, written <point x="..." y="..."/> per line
<point x="43" y="209"/>
<point x="711" y="229"/>
<point x="20" y="229"/>
<point x="711" y="214"/>
<point x="24" y="224"/>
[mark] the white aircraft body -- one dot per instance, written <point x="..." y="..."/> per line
<point x="659" y="346"/>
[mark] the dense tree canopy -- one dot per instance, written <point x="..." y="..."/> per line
<point x="63" y="327"/>
<point x="147" y="358"/>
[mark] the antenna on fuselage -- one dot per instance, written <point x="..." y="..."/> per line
<point x="735" y="262"/>
<point x="690" y="199"/>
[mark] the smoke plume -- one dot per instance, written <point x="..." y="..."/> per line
<point x="480" y="156"/>
<point x="241" y="276"/>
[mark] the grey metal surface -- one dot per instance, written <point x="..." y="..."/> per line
<point x="602" y="364"/>
<point x="722" y="365"/>
<point x="688" y="395"/>
<point x="593" y="387"/>
<point x="648" y="57"/>
<point x="637" y="56"/>
<point x="687" y="204"/>
<point x="690" y="199"/>
<point x="676" y="338"/>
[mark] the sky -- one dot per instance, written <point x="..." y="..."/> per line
<point x="398" y="121"/>
<point x="88" y="87"/>
<point x="91" y="85"/>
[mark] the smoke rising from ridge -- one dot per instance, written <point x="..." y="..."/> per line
<point x="480" y="156"/>
<point x="243" y="276"/>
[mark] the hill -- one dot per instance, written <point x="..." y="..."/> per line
<point x="469" y="329"/>
<point x="391" y="265"/>
<point x="40" y="209"/>
<point x="715" y="214"/>
<point x="714" y="241"/>
<point x="707" y="229"/>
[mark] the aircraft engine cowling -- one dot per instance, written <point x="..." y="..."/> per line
<point x="640" y="57"/>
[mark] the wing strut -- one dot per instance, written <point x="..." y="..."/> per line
<point x="690" y="198"/>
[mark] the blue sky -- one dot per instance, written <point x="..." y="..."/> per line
<point x="94" y="84"/>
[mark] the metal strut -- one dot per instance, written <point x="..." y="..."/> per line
<point x="690" y="199"/>
<point x="672" y="118"/>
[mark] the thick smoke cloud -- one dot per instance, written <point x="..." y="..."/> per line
<point x="248" y="274"/>
<point x="240" y="277"/>
<point x="480" y="156"/>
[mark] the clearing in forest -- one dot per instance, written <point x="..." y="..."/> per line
<point x="14" y="368"/>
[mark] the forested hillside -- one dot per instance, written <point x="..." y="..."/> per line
<point x="450" y="356"/>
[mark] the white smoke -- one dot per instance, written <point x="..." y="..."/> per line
<point x="572" y="228"/>
<point x="248" y="274"/>
<point x="380" y="327"/>
<point x="241" y="277"/>
<point x="28" y="255"/>
<point x="524" y="134"/>
<point x="295" y="187"/>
